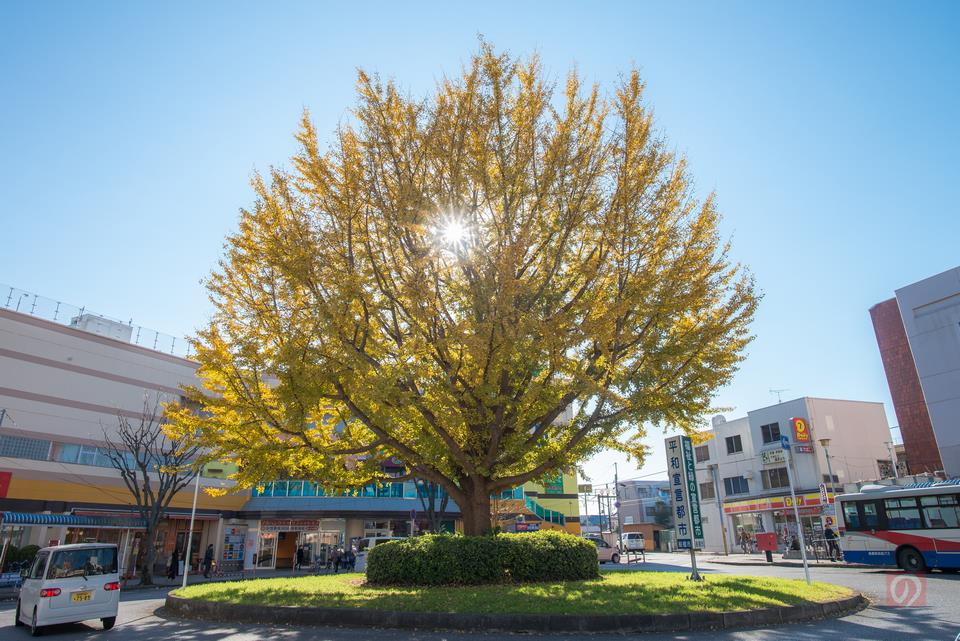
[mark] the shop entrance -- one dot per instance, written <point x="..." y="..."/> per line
<point x="786" y="525"/>
<point x="280" y="539"/>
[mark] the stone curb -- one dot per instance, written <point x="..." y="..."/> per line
<point x="635" y="623"/>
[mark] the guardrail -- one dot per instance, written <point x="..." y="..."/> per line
<point x="25" y="302"/>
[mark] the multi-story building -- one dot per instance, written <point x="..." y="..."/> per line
<point x="66" y="378"/>
<point x="639" y="499"/>
<point x="284" y="515"/>
<point x="742" y="466"/>
<point x="67" y="374"/>
<point x="918" y="333"/>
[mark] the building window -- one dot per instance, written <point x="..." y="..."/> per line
<point x="20" y="447"/>
<point x="770" y="432"/>
<point x="707" y="490"/>
<point x="826" y="479"/>
<point x="650" y="511"/>
<point x="702" y="453"/>
<point x="777" y="477"/>
<point x="735" y="485"/>
<point x="734" y="444"/>
<point x="89" y="455"/>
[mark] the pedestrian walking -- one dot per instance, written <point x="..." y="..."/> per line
<point x="833" y="549"/>
<point x="208" y="561"/>
<point x="299" y="558"/>
<point x="336" y="560"/>
<point x="174" y="568"/>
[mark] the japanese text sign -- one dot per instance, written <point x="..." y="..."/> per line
<point x="684" y="493"/>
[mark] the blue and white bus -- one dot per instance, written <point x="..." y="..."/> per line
<point x="915" y="527"/>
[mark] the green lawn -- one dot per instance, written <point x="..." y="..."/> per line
<point x="614" y="593"/>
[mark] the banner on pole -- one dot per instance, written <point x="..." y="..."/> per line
<point x="684" y="493"/>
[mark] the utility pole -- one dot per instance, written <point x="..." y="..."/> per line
<point x="715" y="477"/>
<point x="893" y="459"/>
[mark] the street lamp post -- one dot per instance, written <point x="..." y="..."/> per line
<point x="825" y="443"/>
<point x="616" y="492"/>
<point x="193" y="515"/>
<point x="785" y="443"/>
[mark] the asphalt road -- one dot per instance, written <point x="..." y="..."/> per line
<point x="937" y="618"/>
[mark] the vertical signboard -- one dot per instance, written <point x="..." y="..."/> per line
<point x="801" y="430"/>
<point x="684" y="493"/>
<point x="693" y="492"/>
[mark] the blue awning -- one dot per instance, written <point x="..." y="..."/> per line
<point x="70" y="520"/>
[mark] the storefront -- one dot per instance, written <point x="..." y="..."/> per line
<point x="775" y="514"/>
<point x="56" y="529"/>
<point x="172" y="535"/>
<point x="279" y="539"/>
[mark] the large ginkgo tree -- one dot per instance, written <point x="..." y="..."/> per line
<point x="488" y="284"/>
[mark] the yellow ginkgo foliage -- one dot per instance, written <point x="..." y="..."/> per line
<point x="489" y="284"/>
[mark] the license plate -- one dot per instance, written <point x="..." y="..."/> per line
<point x="81" y="596"/>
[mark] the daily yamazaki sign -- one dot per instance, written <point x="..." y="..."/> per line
<point x="801" y="430"/>
<point x="773" y="503"/>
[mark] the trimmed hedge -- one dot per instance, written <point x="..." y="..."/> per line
<point x="445" y="559"/>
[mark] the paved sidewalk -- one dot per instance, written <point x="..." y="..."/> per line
<point x="778" y="560"/>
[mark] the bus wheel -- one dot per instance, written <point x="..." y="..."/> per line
<point x="911" y="560"/>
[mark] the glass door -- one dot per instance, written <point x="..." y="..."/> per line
<point x="267" y="551"/>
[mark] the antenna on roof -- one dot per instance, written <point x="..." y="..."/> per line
<point x="778" y="392"/>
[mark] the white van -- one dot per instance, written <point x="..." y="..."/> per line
<point x="632" y="542"/>
<point x="363" y="548"/>
<point x="68" y="584"/>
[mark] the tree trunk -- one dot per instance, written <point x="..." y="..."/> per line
<point x="476" y="511"/>
<point x="149" y="555"/>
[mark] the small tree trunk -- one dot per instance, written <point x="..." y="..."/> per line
<point x="149" y="555"/>
<point x="476" y="512"/>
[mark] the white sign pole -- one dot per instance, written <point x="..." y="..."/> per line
<point x="785" y="442"/>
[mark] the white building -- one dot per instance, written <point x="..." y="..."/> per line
<point x="742" y="469"/>
<point x="639" y="499"/>
<point x="66" y="375"/>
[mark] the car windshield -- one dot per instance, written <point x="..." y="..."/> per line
<point x="83" y="562"/>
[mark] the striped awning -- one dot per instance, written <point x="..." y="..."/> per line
<point x="69" y="520"/>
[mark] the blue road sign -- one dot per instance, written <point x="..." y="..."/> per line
<point x="785" y="442"/>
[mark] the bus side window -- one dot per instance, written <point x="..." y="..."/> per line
<point x="941" y="511"/>
<point x="870" y="515"/>
<point x="851" y="518"/>
<point x="903" y="514"/>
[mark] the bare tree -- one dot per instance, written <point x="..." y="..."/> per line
<point x="153" y="467"/>
<point x="427" y="491"/>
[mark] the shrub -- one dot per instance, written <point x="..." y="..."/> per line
<point x="445" y="559"/>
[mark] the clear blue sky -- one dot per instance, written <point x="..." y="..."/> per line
<point x="129" y="131"/>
